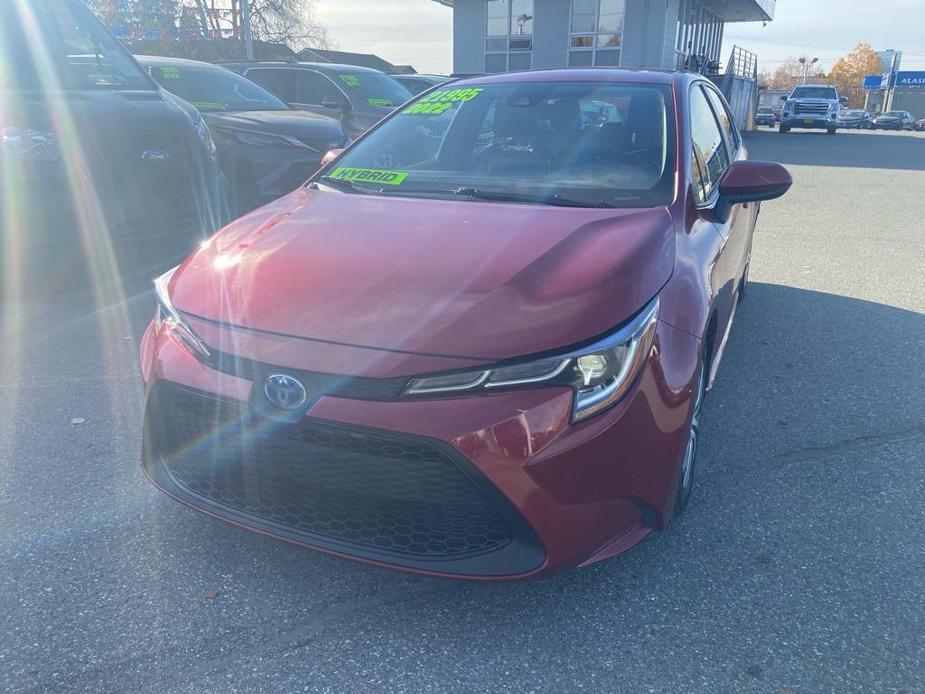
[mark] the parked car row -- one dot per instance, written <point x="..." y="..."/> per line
<point x="149" y="155"/>
<point x="818" y="106"/>
<point x="100" y="165"/>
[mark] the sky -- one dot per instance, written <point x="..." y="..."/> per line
<point x="419" y="32"/>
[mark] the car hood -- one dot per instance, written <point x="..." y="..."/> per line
<point x="295" y="123"/>
<point x="451" y="278"/>
<point x="101" y="112"/>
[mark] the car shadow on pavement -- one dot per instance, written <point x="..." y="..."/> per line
<point x="862" y="149"/>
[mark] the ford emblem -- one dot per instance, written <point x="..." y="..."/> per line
<point x="155" y="155"/>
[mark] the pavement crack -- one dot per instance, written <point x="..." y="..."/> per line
<point x="862" y="441"/>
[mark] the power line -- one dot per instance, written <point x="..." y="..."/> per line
<point x="809" y="45"/>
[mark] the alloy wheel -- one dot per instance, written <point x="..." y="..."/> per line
<point x="688" y="462"/>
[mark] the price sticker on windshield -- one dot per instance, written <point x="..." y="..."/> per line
<point x="350" y="80"/>
<point x="439" y="102"/>
<point x="388" y="178"/>
<point x="170" y="73"/>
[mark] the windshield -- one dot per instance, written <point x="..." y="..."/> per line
<point x="853" y="113"/>
<point x="895" y="114"/>
<point x="586" y="144"/>
<point x="60" y="45"/>
<point x="814" y="93"/>
<point x="372" y="88"/>
<point x="210" y="89"/>
<point x="765" y="109"/>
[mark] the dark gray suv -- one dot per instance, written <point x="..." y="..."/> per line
<point x="358" y="97"/>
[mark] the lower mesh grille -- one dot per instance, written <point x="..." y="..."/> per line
<point x="385" y="492"/>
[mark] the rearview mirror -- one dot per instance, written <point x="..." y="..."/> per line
<point x="330" y="156"/>
<point x="750" y="181"/>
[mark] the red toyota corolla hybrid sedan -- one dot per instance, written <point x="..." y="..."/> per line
<point x="475" y="344"/>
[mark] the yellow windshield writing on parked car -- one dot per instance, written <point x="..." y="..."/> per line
<point x="389" y="178"/>
<point x="170" y="73"/>
<point x="441" y="101"/>
<point x="208" y="106"/>
<point x="350" y="80"/>
<point x="380" y="102"/>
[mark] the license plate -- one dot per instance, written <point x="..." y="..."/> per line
<point x="807" y="120"/>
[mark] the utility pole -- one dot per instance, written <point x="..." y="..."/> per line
<point x="246" y="27"/>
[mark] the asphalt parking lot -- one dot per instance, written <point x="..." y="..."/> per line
<point x="799" y="567"/>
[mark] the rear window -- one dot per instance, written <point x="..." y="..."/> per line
<point x="588" y="144"/>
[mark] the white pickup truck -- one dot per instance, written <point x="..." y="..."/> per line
<point x="811" y="106"/>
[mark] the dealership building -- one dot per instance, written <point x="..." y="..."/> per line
<point x="503" y="35"/>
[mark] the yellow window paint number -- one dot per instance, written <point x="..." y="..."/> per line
<point x="441" y="101"/>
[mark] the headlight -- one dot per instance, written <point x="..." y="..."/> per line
<point x="166" y="314"/>
<point x="257" y="139"/>
<point x="600" y="374"/>
<point x="33" y="145"/>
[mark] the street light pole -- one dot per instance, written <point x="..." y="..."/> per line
<point x="806" y="66"/>
<point x="246" y="27"/>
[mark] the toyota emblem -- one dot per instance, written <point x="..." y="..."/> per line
<point x="285" y="392"/>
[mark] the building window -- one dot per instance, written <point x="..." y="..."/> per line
<point x="509" y="31"/>
<point x="596" y="32"/>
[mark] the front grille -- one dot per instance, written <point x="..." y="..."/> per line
<point x="362" y="491"/>
<point x="814" y="109"/>
<point x="119" y="166"/>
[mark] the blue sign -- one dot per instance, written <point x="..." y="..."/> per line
<point x="910" y="79"/>
<point x="876" y="81"/>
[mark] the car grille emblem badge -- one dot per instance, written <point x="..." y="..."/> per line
<point x="285" y="392"/>
<point x="155" y="155"/>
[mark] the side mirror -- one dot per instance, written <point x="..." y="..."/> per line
<point x="750" y="181"/>
<point x="333" y="102"/>
<point x="330" y="156"/>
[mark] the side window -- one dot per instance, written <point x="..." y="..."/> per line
<point x="725" y="120"/>
<point x="709" y="148"/>
<point x="277" y="81"/>
<point x="312" y="88"/>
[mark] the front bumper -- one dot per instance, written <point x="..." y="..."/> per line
<point x="809" y="121"/>
<point x="494" y="486"/>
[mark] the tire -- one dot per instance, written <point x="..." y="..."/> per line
<point x="783" y="130"/>
<point x="689" y="457"/>
<point x="830" y="131"/>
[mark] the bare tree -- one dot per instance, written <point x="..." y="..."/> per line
<point x="290" y="22"/>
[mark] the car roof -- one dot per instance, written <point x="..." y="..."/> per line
<point x="597" y="74"/>
<point x="162" y="61"/>
<point x="334" y="67"/>
<point x="420" y="75"/>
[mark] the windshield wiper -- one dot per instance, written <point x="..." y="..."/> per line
<point x="506" y="196"/>
<point x="345" y="185"/>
